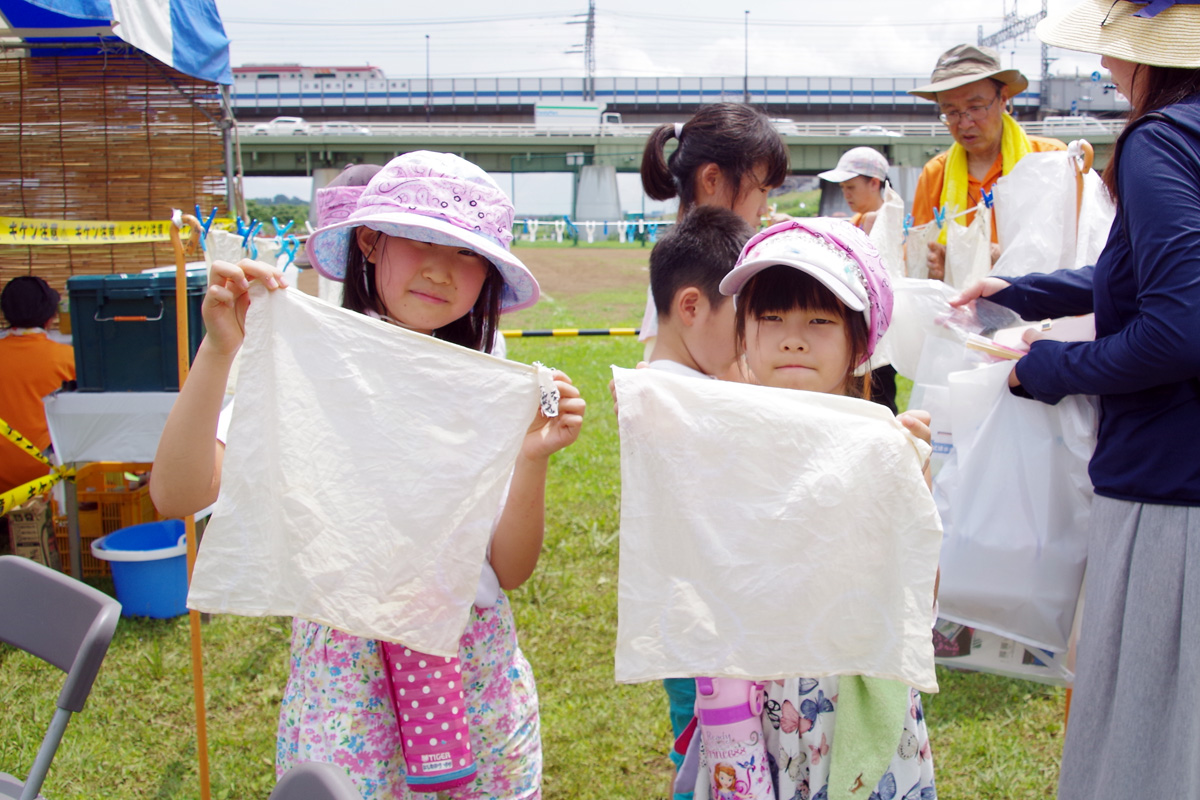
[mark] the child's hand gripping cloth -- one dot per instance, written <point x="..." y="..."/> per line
<point x="362" y="474"/>
<point x="770" y="533"/>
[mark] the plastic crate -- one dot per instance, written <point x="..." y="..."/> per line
<point x="123" y="330"/>
<point x="107" y="501"/>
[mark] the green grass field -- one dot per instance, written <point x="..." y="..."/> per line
<point x="992" y="737"/>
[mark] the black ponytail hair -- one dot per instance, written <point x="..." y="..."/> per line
<point x="736" y="137"/>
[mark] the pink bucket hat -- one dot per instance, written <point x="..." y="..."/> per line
<point x="437" y="198"/>
<point x="833" y="251"/>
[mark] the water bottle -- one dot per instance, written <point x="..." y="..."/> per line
<point x="427" y="695"/>
<point x="729" y="711"/>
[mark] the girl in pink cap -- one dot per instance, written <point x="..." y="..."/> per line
<point x="813" y="300"/>
<point x="426" y="248"/>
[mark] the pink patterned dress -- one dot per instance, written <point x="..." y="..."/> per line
<point x="335" y="708"/>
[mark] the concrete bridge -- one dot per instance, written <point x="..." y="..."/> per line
<point x="517" y="147"/>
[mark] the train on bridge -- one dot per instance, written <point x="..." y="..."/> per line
<point x="365" y="92"/>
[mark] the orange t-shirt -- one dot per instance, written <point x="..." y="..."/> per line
<point x="32" y="367"/>
<point x="928" y="194"/>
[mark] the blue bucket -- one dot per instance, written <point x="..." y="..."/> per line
<point x="149" y="568"/>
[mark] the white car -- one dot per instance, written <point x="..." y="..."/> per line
<point x="282" y="126"/>
<point x="1080" y="124"/>
<point x="873" y="130"/>
<point x="342" y="129"/>
<point x="786" y="127"/>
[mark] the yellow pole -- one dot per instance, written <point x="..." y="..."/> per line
<point x="189" y="522"/>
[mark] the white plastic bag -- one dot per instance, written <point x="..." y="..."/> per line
<point x="916" y="249"/>
<point x="969" y="249"/>
<point x="888" y="232"/>
<point x="363" y="470"/>
<point x="1016" y="502"/>
<point x="746" y="510"/>
<point x="1036" y="215"/>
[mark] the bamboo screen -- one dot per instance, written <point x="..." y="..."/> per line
<point x="105" y="137"/>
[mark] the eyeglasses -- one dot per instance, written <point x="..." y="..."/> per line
<point x="973" y="113"/>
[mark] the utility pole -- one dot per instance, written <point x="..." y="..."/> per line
<point x="1015" y="27"/>
<point x="589" y="50"/>
<point x="428" y="86"/>
<point x="746" y="65"/>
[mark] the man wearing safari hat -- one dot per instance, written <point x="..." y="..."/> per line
<point x="971" y="89"/>
<point x="861" y="173"/>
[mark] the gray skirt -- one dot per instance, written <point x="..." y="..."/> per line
<point x="1134" y="730"/>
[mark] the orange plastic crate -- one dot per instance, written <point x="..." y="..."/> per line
<point x="107" y="501"/>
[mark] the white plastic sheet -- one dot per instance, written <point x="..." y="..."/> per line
<point x="770" y="533"/>
<point x="363" y="470"/>
<point x="1016" y="500"/>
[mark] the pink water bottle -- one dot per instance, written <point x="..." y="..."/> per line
<point x="427" y="695"/>
<point x="729" y="712"/>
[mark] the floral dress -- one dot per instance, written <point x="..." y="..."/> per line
<point x="799" y="718"/>
<point x="336" y="709"/>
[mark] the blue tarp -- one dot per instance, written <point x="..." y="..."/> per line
<point x="185" y="34"/>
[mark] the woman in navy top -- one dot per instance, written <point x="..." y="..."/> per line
<point x="1134" y="729"/>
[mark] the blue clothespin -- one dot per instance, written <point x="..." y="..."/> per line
<point x="241" y="226"/>
<point x="248" y="237"/>
<point x="205" y="224"/>
<point x="653" y="231"/>
<point x="987" y="198"/>
<point x="288" y="247"/>
<point x="571" y="226"/>
<point x="908" y="225"/>
<point x="939" y="216"/>
<point x="280" y="232"/>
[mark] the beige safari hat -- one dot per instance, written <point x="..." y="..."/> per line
<point x="966" y="63"/>
<point x="1161" y="33"/>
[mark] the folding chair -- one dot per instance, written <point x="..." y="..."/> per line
<point x="64" y="622"/>
<point x="315" y="780"/>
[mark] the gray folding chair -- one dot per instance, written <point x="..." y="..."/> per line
<point x="64" y="622"/>
<point x="315" y="780"/>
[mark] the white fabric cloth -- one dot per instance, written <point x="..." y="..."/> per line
<point x="744" y="503"/>
<point x="362" y="472"/>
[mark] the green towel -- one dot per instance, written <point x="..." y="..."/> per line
<point x="870" y="718"/>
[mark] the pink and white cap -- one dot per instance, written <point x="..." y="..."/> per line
<point x="833" y="251"/>
<point x="438" y="198"/>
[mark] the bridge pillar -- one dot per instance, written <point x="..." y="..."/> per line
<point x="596" y="194"/>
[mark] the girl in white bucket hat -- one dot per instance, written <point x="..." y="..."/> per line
<point x="426" y="247"/>
<point x="1134" y="728"/>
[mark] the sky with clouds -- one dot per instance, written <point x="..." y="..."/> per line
<point x="527" y="38"/>
<point x="633" y="38"/>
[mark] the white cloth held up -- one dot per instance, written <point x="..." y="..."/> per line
<point x="362" y="474"/>
<point x="740" y="504"/>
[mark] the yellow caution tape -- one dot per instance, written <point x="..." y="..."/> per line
<point x="10" y="433"/>
<point x="26" y="492"/>
<point x="28" y="232"/>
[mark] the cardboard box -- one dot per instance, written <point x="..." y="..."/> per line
<point x="31" y="533"/>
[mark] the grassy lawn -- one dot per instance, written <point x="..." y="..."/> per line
<point x="992" y="737"/>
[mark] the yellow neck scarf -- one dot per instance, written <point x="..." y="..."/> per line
<point x="1014" y="145"/>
